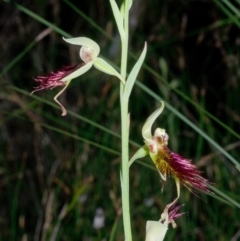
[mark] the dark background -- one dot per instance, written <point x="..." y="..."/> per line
<point x="54" y="177"/>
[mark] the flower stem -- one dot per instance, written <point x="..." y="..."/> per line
<point x="125" y="134"/>
<point x="125" y="170"/>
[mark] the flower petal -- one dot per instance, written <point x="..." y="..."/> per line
<point x="105" y="67"/>
<point x="87" y="54"/>
<point x="141" y="152"/>
<point x="55" y="79"/>
<point x="78" y="72"/>
<point x="146" y="130"/>
<point x="64" y="112"/>
<point x="83" y="41"/>
<point x="156" y="231"/>
<point x="173" y="213"/>
<point x="181" y="169"/>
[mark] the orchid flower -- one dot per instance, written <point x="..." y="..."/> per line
<point x="156" y="230"/>
<point x="167" y="162"/>
<point x="89" y="52"/>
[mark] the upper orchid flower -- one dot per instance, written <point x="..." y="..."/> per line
<point x="169" y="163"/>
<point x="89" y="55"/>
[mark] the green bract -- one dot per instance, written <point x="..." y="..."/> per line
<point x="134" y="72"/>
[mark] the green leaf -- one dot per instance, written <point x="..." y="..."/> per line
<point x="129" y="3"/>
<point x="122" y="9"/>
<point x="118" y="17"/>
<point x="133" y="75"/>
<point x="105" y="67"/>
<point x="141" y="152"/>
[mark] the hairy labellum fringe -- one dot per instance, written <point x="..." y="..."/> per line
<point x="172" y="164"/>
<point x="54" y="79"/>
<point x="173" y="213"/>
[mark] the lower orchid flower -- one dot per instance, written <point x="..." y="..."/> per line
<point x="168" y="163"/>
<point x="89" y="55"/>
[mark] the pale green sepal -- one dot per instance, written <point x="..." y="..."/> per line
<point x="118" y="16"/>
<point x="78" y="72"/>
<point x="141" y="152"/>
<point x="134" y="72"/>
<point x="155" y="231"/>
<point x="83" y="41"/>
<point x="146" y="130"/>
<point x="105" y="67"/>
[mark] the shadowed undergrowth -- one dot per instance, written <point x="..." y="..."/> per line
<point x="58" y="174"/>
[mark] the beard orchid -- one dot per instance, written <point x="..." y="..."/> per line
<point x="168" y="163"/>
<point x="89" y="52"/>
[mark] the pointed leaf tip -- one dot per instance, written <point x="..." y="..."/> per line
<point x="118" y="17"/>
<point x="134" y="72"/>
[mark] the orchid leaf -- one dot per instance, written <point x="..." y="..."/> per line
<point x="133" y="75"/>
<point x="118" y="17"/>
<point x="122" y="9"/>
<point x="129" y="2"/>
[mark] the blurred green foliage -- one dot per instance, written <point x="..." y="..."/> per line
<point x="58" y="174"/>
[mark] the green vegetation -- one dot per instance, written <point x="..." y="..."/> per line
<point x="57" y="173"/>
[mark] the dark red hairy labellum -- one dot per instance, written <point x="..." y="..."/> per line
<point x="54" y="79"/>
<point x="181" y="169"/>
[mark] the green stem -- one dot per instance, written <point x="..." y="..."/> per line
<point x="125" y="170"/>
<point x="125" y="135"/>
